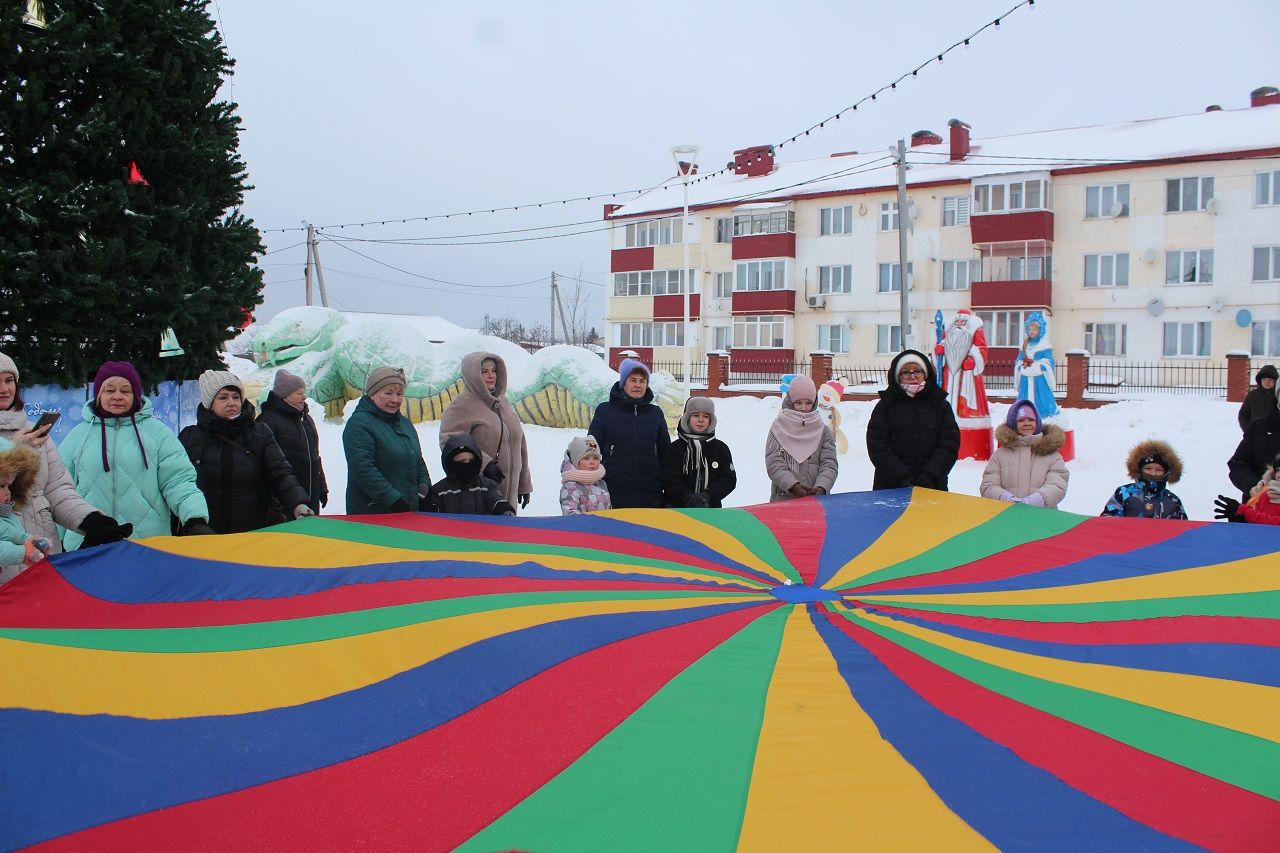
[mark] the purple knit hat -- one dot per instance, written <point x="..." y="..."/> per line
<point x="124" y="370"/>
<point x="630" y="366"/>
<point x="1017" y="410"/>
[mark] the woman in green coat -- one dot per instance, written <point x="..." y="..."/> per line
<point x="125" y="461"/>
<point x="385" y="470"/>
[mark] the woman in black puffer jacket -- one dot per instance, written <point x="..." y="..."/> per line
<point x="633" y="436"/>
<point x="239" y="466"/>
<point x="285" y="411"/>
<point x="912" y="436"/>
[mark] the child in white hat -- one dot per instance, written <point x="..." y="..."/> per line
<point x="583" y="488"/>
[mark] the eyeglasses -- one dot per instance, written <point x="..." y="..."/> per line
<point x="915" y="371"/>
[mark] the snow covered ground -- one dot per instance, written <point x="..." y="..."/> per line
<point x="1202" y="430"/>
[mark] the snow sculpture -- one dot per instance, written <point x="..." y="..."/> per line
<point x="558" y="386"/>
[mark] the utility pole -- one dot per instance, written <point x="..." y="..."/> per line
<point x="899" y="154"/>
<point x="564" y="324"/>
<point x="555" y="297"/>
<point x="315" y="259"/>
<point x="306" y="275"/>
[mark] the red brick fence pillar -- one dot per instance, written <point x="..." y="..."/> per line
<point x="1238" y="378"/>
<point x="820" y="367"/>
<point x="717" y="372"/>
<point x="1077" y="376"/>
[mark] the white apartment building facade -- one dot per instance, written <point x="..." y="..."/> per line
<point x="1154" y="240"/>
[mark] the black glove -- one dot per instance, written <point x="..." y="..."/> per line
<point x="427" y="504"/>
<point x="523" y="500"/>
<point x="924" y="481"/>
<point x="493" y="472"/>
<point x="1225" y="508"/>
<point x="324" y="501"/>
<point x="698" y="500"/>
<point x="400" y="506"/>
<point x="99" y="529"/>
<point x="197" y="527"/>
<point x="906" y="483"/>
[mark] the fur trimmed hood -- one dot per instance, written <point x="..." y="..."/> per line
<point x="1146" y="448"/>
<point x="1051" y="439"/>
<point x="22" y="464"/>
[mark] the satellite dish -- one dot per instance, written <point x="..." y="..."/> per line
<point x="1215" y="304"/>
<point x="1212" y="206"/>
<point x="1150" y="255"/>
<point x="1244" y="318"/>
<point x="1116" y="210"/>
<point x="1155" y="307"/>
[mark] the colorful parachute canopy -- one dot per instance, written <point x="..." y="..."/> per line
<point x="868" y="671"/>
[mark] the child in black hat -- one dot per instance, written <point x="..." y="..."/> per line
<point x="1152" y="465"/>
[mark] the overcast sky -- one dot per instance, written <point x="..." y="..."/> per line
<point x="378" y="111"/>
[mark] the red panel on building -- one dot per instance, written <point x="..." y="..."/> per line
<point x="644" y="354"/>
<point x="671" y="307"/>
<point x="764" y="302"/>
<point x="763" y="246"/>
<point x="999" y="227"/>
<point x="1037" y="293"/>
<point x="778" y="361"/>
<point x="631" y="260"/>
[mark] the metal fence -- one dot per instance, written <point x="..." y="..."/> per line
<point x="764" y="372"/>
<point x="1107" y="377"/>
<point x="697" y="370"/>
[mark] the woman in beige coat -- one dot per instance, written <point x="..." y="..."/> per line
<point x="483" y="411"/>
<point x="1027" y="467"/>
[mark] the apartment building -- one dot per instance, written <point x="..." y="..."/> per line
<point x="1150" y="240"/>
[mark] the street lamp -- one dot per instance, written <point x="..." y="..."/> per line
<point x="685" y="156"/>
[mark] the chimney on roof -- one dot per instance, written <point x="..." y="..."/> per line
<point x="1213" y="108"/>
<point x="1264" y="95"/>
<point x="753" y="161"/>
<point x="609" y="209"/>
<point x="683" y="168"/>
<point x="925" y="137"/>
<point x="959" y="139"/>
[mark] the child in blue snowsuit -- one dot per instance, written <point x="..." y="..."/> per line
<point x="1152" y="465"/>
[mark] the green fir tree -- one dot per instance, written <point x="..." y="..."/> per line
<point x="94" y="265"/>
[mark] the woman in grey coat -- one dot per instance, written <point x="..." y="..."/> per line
<point x="53" y="499"/>
<point x="800" y="452"/>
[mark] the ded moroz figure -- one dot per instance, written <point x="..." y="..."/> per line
<point x="964" y="359"/>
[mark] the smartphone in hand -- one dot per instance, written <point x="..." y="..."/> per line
<point x="47" y="419"/>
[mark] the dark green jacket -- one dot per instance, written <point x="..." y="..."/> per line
<point x="384" y="460"/>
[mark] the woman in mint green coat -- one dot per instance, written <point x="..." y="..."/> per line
<point x="125" y="461"/>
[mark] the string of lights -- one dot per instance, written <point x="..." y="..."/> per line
<point x="887" y="87"/>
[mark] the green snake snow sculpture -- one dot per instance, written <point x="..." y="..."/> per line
<point x="558" y="386"/>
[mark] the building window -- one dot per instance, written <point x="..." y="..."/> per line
<point x="651" y="282"/>
<point x="724" y="229"/>
<point x="888" y="339"/>
<point x="1189" y="266"/>
<point x="1265" y="338"/>
<point x="722" y="337"/>
<point x="834" y="338"/>
<point x="1003" y="328"/>
<point x="1106" y="201"/>
<point x="654" y="232"/>
<point x="957" y="275"/>
<point x="761" y="275"/>
<point x="762" y="332"/>
<point x="1028" y="268"/>
<point x="1266" y="263"/>
<point x="724" y="285"/>
<point x="774" y="222"/>
<point x="1183" y="194"/>
<point x="1266" y="188"/>
<point x="835" y="279"/>
<point x="1106" y="270"/>
<point x="889" y="278"/>
<point x="836" y="220"/>
<point x="651" y="334"/>
<point x="1183" y="339"/>
<point x="1106" y="338"/>
<point x="888" y="216"/>
<point x="955" y="210"/>
<point x="1011" y="196"/>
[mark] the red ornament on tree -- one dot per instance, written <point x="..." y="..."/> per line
<point x="135" y="175"/>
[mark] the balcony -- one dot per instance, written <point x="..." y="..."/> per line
<point x="764" y="302"/>
<point x="781" y="245"/>
<point x="671" y="307"/>
<point x="1030" y="293"/>
<point x="1002" y="227"/>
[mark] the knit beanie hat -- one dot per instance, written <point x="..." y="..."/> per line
<point x="7" y="366"/>
<point x="1267" y="371"/>
<point x="630" y="366"/>
<point x="911" y="358"/>
<point x="802" y="388"/>
<point x="695" y="405"/>
<point x="286" y="383"/>
<point x="381" y="377"/>
<point x="1157" y="458"/>
<point x="1023" y="409"/>
<point x="213" y="381"/>
<point x="583" y="445"/>
<point x="125" y="371"/>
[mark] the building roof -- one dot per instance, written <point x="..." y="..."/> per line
<point x="1199" y="135"/>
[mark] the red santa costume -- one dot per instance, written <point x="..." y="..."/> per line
<point x="964" y="354"/>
